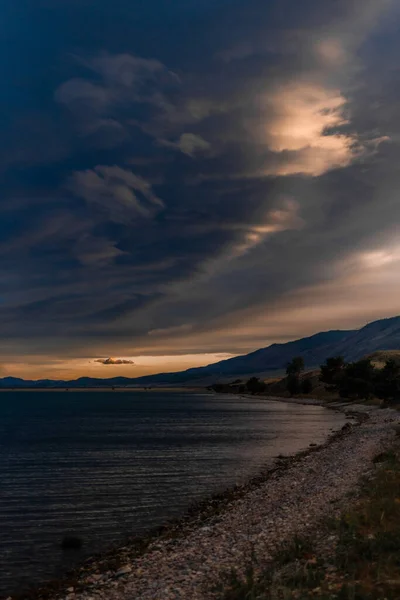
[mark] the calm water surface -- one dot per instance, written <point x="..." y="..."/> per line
<point x="105" y="465"/>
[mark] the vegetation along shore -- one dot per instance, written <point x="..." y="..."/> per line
<point x="375" y="377"/>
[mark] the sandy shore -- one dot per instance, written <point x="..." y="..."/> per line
<point x="290" y="499"/>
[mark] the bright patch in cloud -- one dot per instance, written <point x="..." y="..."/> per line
<point x="380" y="258"/>
<point x="284" y="218"/>
<point x="332" y="51"/>
<point x="302" y="129"/>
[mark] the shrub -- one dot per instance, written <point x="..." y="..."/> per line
<point x="306" y="386"/>
<point x="218" y="387"/>
<point x="387" y="382"/>
<point x="355" y="387"/>
<point x="255" y="386"/>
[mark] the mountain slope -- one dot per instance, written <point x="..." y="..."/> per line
<point x="353" y="345"/>
<point x="273" y="357"/>
<point x="378" y="335"/>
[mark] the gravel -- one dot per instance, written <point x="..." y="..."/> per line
<point x="290" y="501"/>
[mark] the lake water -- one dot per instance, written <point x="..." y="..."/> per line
<point x="106" y="465"/>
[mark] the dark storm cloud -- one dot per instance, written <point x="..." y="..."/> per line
<point x="185" y="162"/>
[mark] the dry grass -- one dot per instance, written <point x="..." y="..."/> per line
<point x="380" y="357"/>
<point x="363" y="562"/>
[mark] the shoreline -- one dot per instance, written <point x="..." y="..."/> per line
<point x="103" y="570"/>
<point x="107" y="389"/>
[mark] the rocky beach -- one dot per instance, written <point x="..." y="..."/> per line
<point x="186" y="559"/>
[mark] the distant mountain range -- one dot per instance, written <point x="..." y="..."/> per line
<point x="353" y="345"/>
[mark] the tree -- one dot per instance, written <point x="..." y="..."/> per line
<point x="362" y="369"/>
<point x="354" y="387"/>
<point x="255" y="386"/>
<point x="332" y="372"/>
<point x="218" y="387"/>
<point x="296" y="366"/>
<point x="387" y="381"/>
<point x="306" y="386"/>
<point x="293" y="370"/>
<point x="358" y="380"/>
<point x="293" y="384"/>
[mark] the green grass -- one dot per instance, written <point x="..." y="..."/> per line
<point x="365" y="560"/>
<point x="296" y="549"/>
<point x="388" y="457"/>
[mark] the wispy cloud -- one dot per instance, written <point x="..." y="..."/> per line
<point x="120" y="78"/>
<point x="119" y="192"/>
<point x="170" y="331"/>
<point x="105" y="100"/>
<point x="95" y="251"/>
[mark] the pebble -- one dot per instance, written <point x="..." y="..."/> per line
<point x="123" y="571"/>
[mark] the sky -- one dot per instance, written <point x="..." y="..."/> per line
<point x="191" y="180"/>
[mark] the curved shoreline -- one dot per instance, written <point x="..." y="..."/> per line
<point x="197" y="514"/>
<point x="105" y="572"/>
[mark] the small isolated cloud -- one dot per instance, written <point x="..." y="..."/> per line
<point x="119" y="192"/>
<point x="92" y="251"/>
<point x="114" y="361"/>
<point x="189" y="144"/>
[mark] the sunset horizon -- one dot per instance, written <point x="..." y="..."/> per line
<point x="107" y="367"/>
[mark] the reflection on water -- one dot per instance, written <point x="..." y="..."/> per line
<point x="106" y="465"/>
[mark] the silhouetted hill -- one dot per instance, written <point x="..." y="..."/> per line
<point x="378" y="335"/>
<point x="353" y="345"/>
<point x="274" y="357"/>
